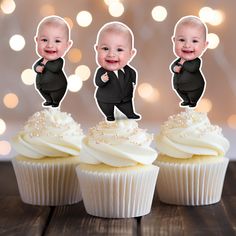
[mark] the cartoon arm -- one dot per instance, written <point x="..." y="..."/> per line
<point x="101" y="78"/>
<point x="38" y="66"/>
<point x="176" y="66"/>
<point x="133" y="76"/>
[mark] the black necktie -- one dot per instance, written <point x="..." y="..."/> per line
<point x="121" y="77"/>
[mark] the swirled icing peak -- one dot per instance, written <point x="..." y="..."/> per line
<point x="118" y="144"/>
<point x="49" y="133"/>
<point x="191" y="133"/>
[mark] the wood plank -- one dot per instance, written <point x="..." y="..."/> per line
<point x="229" y="205"/>
<point x="73" y="220"/>
<point x="230" y="180"/>
<point x="17" y="218"/>
<point x="8" y="184"/>
<point x="162" y="220"/>
<point x="206" y="220"/>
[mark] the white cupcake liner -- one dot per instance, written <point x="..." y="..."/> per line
<point x="118" y="194"/>
<point x="191" y="184"/>
<point x="47" y="184"/>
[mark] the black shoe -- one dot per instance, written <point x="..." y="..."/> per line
<point x="134" y="116"/>
<point x="47" y="104"/>
<point x="55" y="104"/>
<point x="192" y="105"/>
<point x="185" y="103"/>
<point x="110" y="118"/>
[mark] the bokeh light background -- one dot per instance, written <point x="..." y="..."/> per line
<point x="152" y="23"/>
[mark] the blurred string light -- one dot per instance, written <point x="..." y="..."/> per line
<point x="2" y="126"/>
<point x="109" y="2"/>
<point x="213" y="40"/>
<point x="148" y="92"/>
<point x="46" y="10"/>
<point x="231" y="121"/>
<point x="28" y="76"/>
<point x="8" y="6"/>
<point x="205" y="105"/>
<point x="211" y="16"/>
<point x="83" y="72"/>
<point x="10" y="100"/>
<point x="159" y="13"/>
<point x="5" y="148"/>
<point x="74" y="55"/>
<point x="116" y="8"/>
<point x="74" y="83"/>
<point x="84" y="18"/>
<point x="17" y="42"/>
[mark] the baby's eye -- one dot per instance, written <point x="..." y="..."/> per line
<point x="44" y="40"/>
<point x="181" y="40"/>
<point x="195" y="41"/>
<point x="120" y="49"/>
<point x="57" y="41"/>
<point x="105" y="48"/>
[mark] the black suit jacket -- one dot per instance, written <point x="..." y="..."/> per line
<point x="111" y="91"/>
<point x="190" y="77"/>
<point x="52" y="78"/>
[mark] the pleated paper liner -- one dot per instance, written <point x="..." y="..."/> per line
<point x="118" y="194"/>
<point x="191" y="184"/>
<point x="48" y="184"/>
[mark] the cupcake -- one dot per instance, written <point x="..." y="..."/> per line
<point x="116" y="174"/>
<point x="49" y="146"/>
<point x="192" y="160"/>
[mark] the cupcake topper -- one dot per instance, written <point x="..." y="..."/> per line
<point x="115" y="78"/>
<point x="189" y="43"/>
<point x="52" y="42"/>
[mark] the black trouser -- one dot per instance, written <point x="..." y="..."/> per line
<point x="124" y="107"/>
<point x="53" y="96"/>
<point x="190" y="96"/>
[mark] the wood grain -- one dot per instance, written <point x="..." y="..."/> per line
<point x="73" y="220"/>
<point x="17" y="218"/>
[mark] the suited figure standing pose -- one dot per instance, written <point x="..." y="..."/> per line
<point x="52" y="42"/>
<point x="115" y="79"/>
<point x="189" y="43"/>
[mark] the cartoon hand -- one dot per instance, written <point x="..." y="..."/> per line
<point x="39" y="69"/>
<point x="105" y="77"/>
<point x="177" y="69"/>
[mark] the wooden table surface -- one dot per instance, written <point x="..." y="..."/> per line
<point x="17" y="218"/>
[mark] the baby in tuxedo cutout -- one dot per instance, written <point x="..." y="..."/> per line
<point x="189" y="43"/>
<point x="114" y="78"/>
<point x="52" y="43"/>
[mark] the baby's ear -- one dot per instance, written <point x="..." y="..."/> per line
<point x="133" y="52"/>
<point x="95" y="47"/>
<point x="173" y="39"/>
<point x="35" y="39"/>
<point x="69" y="44"/>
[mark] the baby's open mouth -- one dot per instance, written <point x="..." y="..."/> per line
<point x="50" y="51"/>
<point x="111" y="61"/>
<point x="187" y="51"/>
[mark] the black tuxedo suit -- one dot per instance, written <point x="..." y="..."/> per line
<point x="51" y="83"/>
<point x="113" y="93"/>
<point x="189" y="82"/>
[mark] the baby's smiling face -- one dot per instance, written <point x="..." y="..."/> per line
<point x="114" y="50"/>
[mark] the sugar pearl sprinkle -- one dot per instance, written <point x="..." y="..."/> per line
<point x="52" y="123"/>
<point x="120" y="132"/>
<point x="197" y="121"/>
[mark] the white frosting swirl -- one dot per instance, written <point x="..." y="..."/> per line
<point x="49" y="133"/>
<point x="191" y="133"/>
<point x="118" y="144"/>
